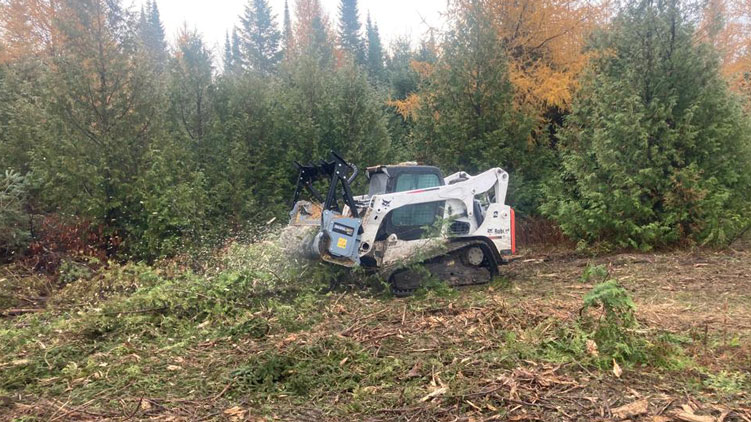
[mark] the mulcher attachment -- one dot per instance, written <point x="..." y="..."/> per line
<point x="336" y="170"/>
<point x="338" y="237"/>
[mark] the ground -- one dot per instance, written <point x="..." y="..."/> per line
<point x="522" y="348"/>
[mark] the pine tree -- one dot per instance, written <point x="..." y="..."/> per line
<point x="655" y="151"/>
<point x="375" y="50"/>
<point x="106" y="102"/>
<point x="260" y="37"/>
<point x="310" y="24"/>
<point x="312" y="31"/>
<point x="466" y="119"/>
<point x="287" y="37"/>
<point x="157" y="27"/>
<point x="238" y="60"/>
<point x="191" y="72"/>
<point x="152" y="34"/>
<point x="350" y="39"/>
<point x="227" y="58"/>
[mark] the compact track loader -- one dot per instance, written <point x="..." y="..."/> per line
<point x="457" y="226"/>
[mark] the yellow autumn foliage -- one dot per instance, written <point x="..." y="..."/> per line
<point x="726" y="24"/>
<point x="544" y="42"/>
<point x="27" y="28"/>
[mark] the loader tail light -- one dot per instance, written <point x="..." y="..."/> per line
<point x="513" y="232"/>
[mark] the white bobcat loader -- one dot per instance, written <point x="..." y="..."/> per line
<point x="457" y="227"/>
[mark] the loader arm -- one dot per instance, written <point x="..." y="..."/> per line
<point x="459" y="195"/>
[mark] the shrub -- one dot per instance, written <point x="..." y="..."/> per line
<point x="613" y="329"/>
<point x="656" y="148"/>
<point x="594" y="273"/>
<point x="14" y="233"/>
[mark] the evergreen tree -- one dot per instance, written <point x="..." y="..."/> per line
<point x="245" y="163"/>
<point x="287" y="37"/>
<point x="227" y="57"/>
<point x="402" y="78"/>
<point x="173" y="189"/>
<point x="191" y="83"/>
<point x="14" y="233"/>
<point x="335" y="109"/>
<point x="23" y="119"/>
<point x="375" y="50"/>
<point x="321" y="46"/>
<point x="466" y="121"/>
<point x="104" y="103"/>
<point x="260" y="37"/>
<point x="350" y="39"/>
<point x="157" y="27"/>
<point x="428" y="51"/>
<point x="237" y="56"/>
<point x="656" y="150"/>
<point x="151" y="31"/>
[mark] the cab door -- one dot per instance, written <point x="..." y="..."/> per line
<point x="410" y="222"/>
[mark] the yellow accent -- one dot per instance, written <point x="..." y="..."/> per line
<point x="342" y="243"/>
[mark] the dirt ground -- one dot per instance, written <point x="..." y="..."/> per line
<point x="454" y="360"/>
<point x="703" y="295"/>
<point x="706" y="292"/>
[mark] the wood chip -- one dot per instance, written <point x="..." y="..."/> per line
<point x="592" y="349"/>
<point x="415" y="371"/>
<point x="691" y="417"/>
<point x="636" y="408"/>
<point x="617" y="371"/>
<point x="435" y="393"/>
<point x="235" y="414"/>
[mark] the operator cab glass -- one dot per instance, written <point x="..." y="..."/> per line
<point x="413" y="181"/>
<point x="417" y="215"/>
<point x="408" y="222"/>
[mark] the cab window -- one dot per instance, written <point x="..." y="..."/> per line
<point x="412" y="181"/>
<point x="417" y="215"/>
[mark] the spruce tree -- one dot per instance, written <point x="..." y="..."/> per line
<point x="191" y="86"/>
<point x="656" y="150"/>
<point x="321" y="47"/>
<point x="155" y="21"/>
<point x="466" y="120"/>
<point x="152" y="34"/>
<point x="350" y="39"/>
<point x="399" y="72"/>
<point x="260" y="37"/>
<point x="287" y="37"/>
<point x="227" y="57"/>
<point x="106" y="102"/>
<point x="237" y="55"/>
<point x="375" y="50"/>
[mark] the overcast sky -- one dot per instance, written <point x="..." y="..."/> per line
<point x="213" y="18"/>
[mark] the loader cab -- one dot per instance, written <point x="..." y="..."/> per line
<point x="408" y="222"/>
